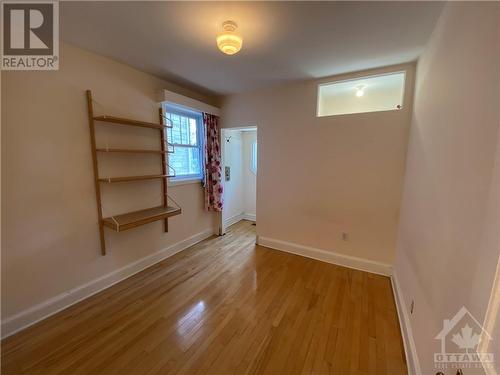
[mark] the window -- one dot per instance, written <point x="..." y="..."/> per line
<point x="367" y="94"/>
<point x="253" y="165"/>
<point x="186" y="139"/>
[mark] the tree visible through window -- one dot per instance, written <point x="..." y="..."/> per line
<point x="186" y="137"/>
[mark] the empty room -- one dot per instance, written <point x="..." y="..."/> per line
<point x="262" y="187"/>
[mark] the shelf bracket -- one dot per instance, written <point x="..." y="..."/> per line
<point x="90" y="109"/>
<point x="164" y="183"/>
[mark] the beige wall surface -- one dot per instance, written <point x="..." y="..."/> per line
<point x="319" y="177"/>
<point x="449" y="244"/>
<point x="49" y="220"/>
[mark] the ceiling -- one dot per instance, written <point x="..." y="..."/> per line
<point x="282" y="41"/>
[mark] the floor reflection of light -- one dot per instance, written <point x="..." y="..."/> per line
<point x="192" y="317"/>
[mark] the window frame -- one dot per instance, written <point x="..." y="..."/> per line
<point x="178" y="110"/>
<point x="356" y="78"/>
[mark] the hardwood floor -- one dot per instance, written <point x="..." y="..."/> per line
<point x="224" y="306"/>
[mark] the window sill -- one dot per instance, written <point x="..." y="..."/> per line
<point x="187" y="181"/>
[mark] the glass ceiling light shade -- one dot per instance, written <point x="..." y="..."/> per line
<point x="228" y="41"/>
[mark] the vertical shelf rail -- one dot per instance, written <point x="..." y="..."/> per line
<point x="164" y="166"/>
<point x="97" y="185"/>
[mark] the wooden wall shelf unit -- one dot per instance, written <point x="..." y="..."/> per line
<point x="134" y="178"/>
<point x="133" y="151"/>
<point x="126" y="121"/>
<point x="136" y="218"/>
<point x="130" y="219"/>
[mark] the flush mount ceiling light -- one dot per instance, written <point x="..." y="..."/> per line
<point x="228" y="41"/>
<point x="360" y="91"/>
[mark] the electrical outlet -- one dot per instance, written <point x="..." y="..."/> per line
<point x="412" y="306"/>
<point x="345" y="236"/>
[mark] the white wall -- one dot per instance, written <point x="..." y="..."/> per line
<point x="319" y="177"/>
<point x="249" y="176"/>
<point x="240" y="191"/>
<point x="233" y="189"/>
<point x="449" y="242"/>
<point x="50" y="244"/>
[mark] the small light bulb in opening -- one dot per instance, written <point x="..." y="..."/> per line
<point x="360" y="91"/>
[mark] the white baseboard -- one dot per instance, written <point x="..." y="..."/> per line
<point x="250" y="217"/>
<point x="43" y="310"/>
<point x="233" y="219"/>
<point x="327" y="256"/>
<point x="406" y="331"/>
<point x="236" y="218"/>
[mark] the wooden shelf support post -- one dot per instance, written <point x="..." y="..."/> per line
<point x="96" y="171"/>
<point x="164" y="167"/>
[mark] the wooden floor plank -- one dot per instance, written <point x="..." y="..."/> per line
<point x="223" y="306"/>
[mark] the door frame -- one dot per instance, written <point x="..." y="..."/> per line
<point x="223" y="135"/>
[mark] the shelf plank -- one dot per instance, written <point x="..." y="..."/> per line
<point x="134" y="178"/>
<point x="137" y="218"/>
<point x="125" y="121"/>
<point x="133" y="151"/>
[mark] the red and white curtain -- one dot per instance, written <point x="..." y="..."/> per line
<point x="213" y="164"/>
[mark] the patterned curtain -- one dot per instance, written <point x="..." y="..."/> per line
<point x="213" y="168"/>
